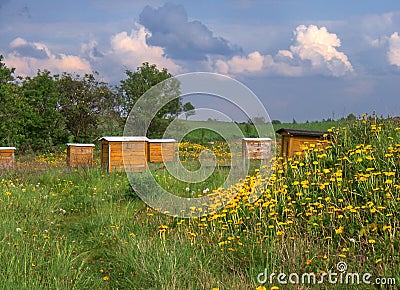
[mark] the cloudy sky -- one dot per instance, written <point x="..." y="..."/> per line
<point x="307" y="59"/>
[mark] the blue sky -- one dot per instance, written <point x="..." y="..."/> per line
<point x="307" y="60"/>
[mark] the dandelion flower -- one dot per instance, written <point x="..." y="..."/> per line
<point x="339" y="231"/>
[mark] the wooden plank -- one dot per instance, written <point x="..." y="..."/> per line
<point x="256" y="149"/>
<point x="6" y="158"/>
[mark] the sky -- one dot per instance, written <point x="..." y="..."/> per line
<point x="305" y="60"/>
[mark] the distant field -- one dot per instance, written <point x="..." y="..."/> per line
<point x="317" y="126"/>
<point x="204" y="135"/>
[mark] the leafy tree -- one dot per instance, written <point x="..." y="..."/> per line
<point x="276" y="122"/>
<point x="44" y="123"/>
<point x="139" y="82"/>
<point x="351" y="117"/>
<point x="11" y="107"/>
<point x="188" y="108"/>
<point x="85" y="102"/>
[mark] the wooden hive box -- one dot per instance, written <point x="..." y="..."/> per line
<point x="161" y="150"/>
<point x="114" y="150"/>
<point x="293" y="140"/>
<point x="79" y="154"/>
<point x="256" y="148"/>
<point x="6" y="157"/>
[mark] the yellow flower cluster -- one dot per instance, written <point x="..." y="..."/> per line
<point x="341" y="194"/>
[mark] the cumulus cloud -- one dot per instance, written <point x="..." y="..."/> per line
<point x="393" y="53"/>
<point x="318" y="46"/>
<point x="182" y="39"/>
<point x="126" y="50"/>
<point x="28" y="57"/>
<point x="392" y="46"/>
<point x="35" y="50"/>
<point x="132" y="50"/>
<point x="90" y="49"/>
<point x="238" y="64"/>
<point x="314" y="51"/>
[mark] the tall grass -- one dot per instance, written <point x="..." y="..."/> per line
<point x="83" y="228"/>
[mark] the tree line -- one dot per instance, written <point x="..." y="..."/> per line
<point x="46" y="110"/>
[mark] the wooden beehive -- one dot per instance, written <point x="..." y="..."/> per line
<point x="293" y="140"/>
<point x="256" y="148"/>
<point x="124" y="153"/>
<point x="6" y="157"/>
<point x="79" y="154"/>
<point x="161" y="150"/>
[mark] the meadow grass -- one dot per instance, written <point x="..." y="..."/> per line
<point x="204" y="136"/>
<point x="84" y="228"/>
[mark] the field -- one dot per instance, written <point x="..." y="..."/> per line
<point x="333" y="203"/>
<point x="203" y="136"/>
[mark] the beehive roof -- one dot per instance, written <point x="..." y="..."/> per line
<point x="80" y="145"/>
<point x="162" y="140"/>
<point x="306" y="133"/>
<point x="124" y="138"/>
<point x="257" y="139"/>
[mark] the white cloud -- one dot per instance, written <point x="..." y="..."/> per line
<point x="314" y="51"/>
<point x="124" y="50"/>
<point x="393" y="53"/>
<point x="285" y="53"/>
<point x="129" y="50"/>
<point x="252" y="62"/>
<point x="318" y="46"/>
<point x="29" y="57"/>
<point x="378" y="42"/>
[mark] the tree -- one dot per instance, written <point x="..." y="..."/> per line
<point x="351" y="117"/>
<point x="84" y="103"/>
<point x="138" y="83"/>
<point x="188" y="109"/>
<point x="44" y="123"/>
<point x="11" y="107"/>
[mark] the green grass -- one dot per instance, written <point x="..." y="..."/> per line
<point x="204" y="135"/>
<point x="86" y="229"/>
<point x="211" y="131"/>
<point x="315" y="126"/>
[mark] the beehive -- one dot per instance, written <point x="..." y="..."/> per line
<point x="161" y="150"/>
<point x="116" y="150"/>
<point x="293" y="140"/>
<point x="256" y="148"/>
<point x="79" y="154"/>
<point x="6" y="157"/>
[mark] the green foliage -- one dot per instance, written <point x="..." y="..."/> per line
<point x="83" y="103"/>
<point x="139" y="82"/>
<point x="45" y="124"/>
<point x="39" y="112"/>
<point x="188" y="109"/>
<point x="11" y="108"/>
